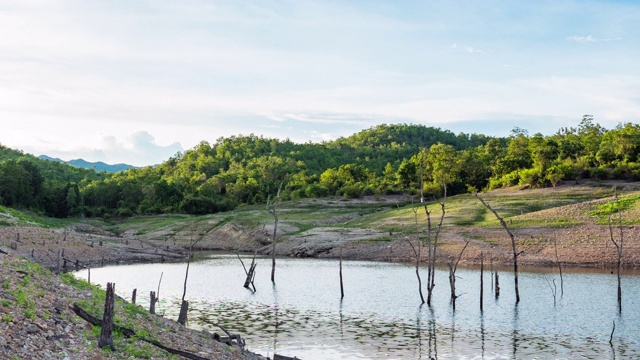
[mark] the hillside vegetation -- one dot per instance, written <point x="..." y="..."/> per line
<point x="384" y="160"/>
<point x="575" y="216"/>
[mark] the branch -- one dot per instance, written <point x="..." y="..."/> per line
<point x="130" y="333"/>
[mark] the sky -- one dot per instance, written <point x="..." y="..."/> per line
<point x="138" y="81"/>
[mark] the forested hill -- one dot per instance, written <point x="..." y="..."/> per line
<point x="384" y="159"/>
<point x="97" y="166"/>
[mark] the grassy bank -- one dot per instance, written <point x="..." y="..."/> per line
<point x="37" y="321"/>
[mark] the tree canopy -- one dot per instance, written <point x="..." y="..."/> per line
<point x="384" y="159"/>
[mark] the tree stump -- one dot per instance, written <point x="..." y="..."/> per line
<point x="152" y="303"/>
<point x="107" y="320"/>
<point x="182" y="318"/>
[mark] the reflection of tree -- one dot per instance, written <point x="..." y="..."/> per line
<point x="419" y="329"/>
<point x="515" y="338"/>
<point x="275" y="319"/>
<point x="482" y="334"/>
<point x="433" y="346"/>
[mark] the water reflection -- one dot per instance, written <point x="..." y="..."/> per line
<point x="380" y="316"/>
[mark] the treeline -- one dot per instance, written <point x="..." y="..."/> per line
<point x="386" y="159"/>
<point x="45" y="186"/>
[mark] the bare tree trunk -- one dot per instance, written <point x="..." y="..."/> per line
<point x="272" y="208"/>
<point x="249" y="273"/>
<point x="513" y="245"/>
<point x="341" y="284"/>
<point x="152" y="302"/>
<point x="618" y="245"/>
<point x="182" y="317"/>
<point x="158" y="292"/>
<point x="555" y="244"/>
<point x="491" y="266"/>
<point x="417" y="252"/>
<point x="107" y="319"/>
<point x="481" y="280"/>
<point x="452" y="275"/>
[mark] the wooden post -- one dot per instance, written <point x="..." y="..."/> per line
<point x="107" y="320"/>
<point x="89" y="276"/>
<point x="133" y="296"/>
<point x="182" y="318"/>
<point x="497" y="288"/>
<point x="152" y="303"/>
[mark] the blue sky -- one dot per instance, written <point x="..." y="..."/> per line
<point x="137" y="81"/>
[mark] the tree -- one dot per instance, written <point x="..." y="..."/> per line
<point x="272" y="208"/>
<point x="513" y="245"/>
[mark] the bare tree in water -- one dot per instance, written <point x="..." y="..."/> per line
<point x="513" y="245"/>
<point x="616" y="207"/>
<point x="272" y="208"/>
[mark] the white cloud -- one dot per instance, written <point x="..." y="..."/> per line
<point x="582" y="39"/>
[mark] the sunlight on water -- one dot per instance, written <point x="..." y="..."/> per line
<point x="381" y="317"/>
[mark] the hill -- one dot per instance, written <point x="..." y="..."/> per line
<point x="372" y="228"/>
<point x="96" y="166"/>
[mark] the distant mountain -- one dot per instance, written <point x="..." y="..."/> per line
<point x="97" y="166"/>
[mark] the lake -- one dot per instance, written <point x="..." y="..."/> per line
<point x="381" y="316"/>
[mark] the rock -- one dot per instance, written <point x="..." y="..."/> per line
<point x="32" y="329"/>
<point x="41" y="324"/>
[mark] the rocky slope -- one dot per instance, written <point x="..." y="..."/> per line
<point x="37" y="321"/>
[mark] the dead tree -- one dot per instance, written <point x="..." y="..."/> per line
<point x="107" y="319"/>
<point x="341" y="285"/>
<point x="152" y="303"/>
<point x="251" y="273"/>
<point x="618" y="244"/>
<point x="158" y="292"/>
<point x="513" y="246"/>
<point x="417" y="252"/>
<point x="184" y="306"/>
<point x="555" y="245"/>
<point x="453" y="267"/>
<point x="554" y="289"/>
<point x="481" y="280"/>
<point x="272" y="208"/>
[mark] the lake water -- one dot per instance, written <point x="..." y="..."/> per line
<point x="381" y="317"/>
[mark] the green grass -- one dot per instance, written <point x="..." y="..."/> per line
<point x="615" y="207"/>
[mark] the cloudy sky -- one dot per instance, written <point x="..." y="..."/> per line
<point x="137" y="81"/>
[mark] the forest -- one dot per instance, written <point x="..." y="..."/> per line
<point x="385" y="159"/>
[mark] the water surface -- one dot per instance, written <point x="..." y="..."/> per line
<point x="381" y="316"/>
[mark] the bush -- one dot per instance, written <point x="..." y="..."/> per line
<point x="352" y="191"/>
<point x="600" y="173"/>
<point x="316" y="191"/>
<point x="529" y="177"/>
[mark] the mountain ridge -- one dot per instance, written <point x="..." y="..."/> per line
<point x="98" y="166"/>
